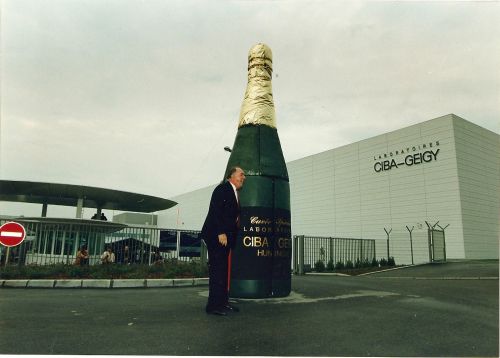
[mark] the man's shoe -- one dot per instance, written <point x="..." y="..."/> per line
<point x="231" y="308"/>
<point x="217" y="312"/>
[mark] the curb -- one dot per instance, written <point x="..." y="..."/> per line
<point x="15" y="283"/>
<point x="159" y="282"/>
<point x="97" y="284"/>
<point x="123" y="283"/>
<point x="41" y="283"/>
<point x="327" y="274"/>
<point x="68" y="284"/>
<point x="116" y="283"/>
<point x="362" y="274"/>
<point x="391" y="269"/>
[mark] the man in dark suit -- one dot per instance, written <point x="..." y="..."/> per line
<point x="219" y="233"/>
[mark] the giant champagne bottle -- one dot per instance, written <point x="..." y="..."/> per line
<point x="261" y="260"/>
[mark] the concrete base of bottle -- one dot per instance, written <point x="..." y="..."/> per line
<point x="250" y="289"/>
<point x="259" y="288"/>
<point x="282" y="288"/>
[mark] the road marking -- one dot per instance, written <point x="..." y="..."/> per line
<point x="296" y="297"/>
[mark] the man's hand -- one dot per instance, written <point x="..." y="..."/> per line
<point x="223" y="239"/>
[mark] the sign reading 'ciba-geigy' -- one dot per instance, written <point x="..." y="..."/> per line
<point x="268" y="238"/>
<point x="409" y="156"/>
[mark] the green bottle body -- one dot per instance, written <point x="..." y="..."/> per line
<point x="261" y="259"/>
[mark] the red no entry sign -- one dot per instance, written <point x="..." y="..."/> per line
<point x="12" y="234"/>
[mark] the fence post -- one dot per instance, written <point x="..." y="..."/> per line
<point x="444" y="241"/>
<point x="203" y="253"/>
<point x="362" y="256"/>
<point x="178" y="245"/>
<point x="330" y="250"/>
<point x="301" y="254"/>
<point x="294" y="256"/>
<point x="429" y="239"/>
<point x="374" y="250"/>
<point x="411" y="242"/>
<point x="388" y="233"/>
<point x="149" y="250"/>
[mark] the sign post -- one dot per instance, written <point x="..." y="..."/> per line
<point x="11" y="234"/>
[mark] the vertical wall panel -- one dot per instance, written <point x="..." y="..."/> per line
<point x="478" y="163"/>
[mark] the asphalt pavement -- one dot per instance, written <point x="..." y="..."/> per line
<point x="432" y="310"/>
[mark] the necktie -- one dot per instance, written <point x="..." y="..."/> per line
<point x="238" y="217"/>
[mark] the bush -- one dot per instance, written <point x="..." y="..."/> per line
<point x="330" y="266"/>
<point x="78" y="271"/>
<point x="198" y="270"/>
<point x="9" y="273"/>
<point x="349" y="264"/>
<point x="339" y="265"/>
<point x="167" y="269"/>
<point x="391" y="261"/>
<point x="374" y="262"/>
<point x="383" y="262"/>
<point x="362" y="263"/>
<point x="319" y="266"/>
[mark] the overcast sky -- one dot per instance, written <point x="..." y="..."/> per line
<point x="142" y="96"/>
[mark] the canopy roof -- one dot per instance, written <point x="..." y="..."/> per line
<point x="82" y="225"/>
<point x="68" y="195"/>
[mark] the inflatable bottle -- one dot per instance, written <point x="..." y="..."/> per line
<point x="261" y="259"/>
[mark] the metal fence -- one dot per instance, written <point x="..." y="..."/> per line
<point x="52" y="241"/>
<point x="310" y="249"/>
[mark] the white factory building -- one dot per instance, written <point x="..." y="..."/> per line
<point x="444" y="171"/>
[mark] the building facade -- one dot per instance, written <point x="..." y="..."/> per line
<point x="442" y="173"/>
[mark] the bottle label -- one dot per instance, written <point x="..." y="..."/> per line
<point x="264" y="246"/>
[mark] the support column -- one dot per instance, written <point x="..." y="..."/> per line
<point x="79" y="208"/>
<point x="44" y="210"/>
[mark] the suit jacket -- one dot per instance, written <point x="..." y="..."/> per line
<point x="222" y="215"/>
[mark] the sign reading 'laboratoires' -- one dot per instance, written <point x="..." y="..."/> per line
<point x="409" y="156"/>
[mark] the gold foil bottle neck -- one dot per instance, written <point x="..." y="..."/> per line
<point x="258" y="106"/>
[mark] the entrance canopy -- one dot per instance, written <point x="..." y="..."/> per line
<point x="80" y="196"/>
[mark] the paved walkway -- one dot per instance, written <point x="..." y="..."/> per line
<point x="383" y="314"/>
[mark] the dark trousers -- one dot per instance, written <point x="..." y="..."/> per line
<point x="217" y="271"/>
